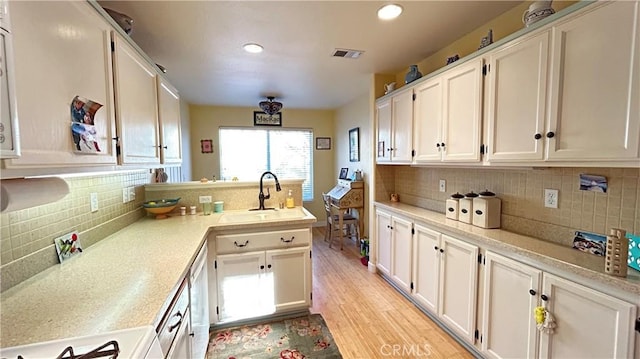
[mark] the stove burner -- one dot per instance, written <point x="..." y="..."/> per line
<point x="99" y="352"/>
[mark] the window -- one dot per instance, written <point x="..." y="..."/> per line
<point x="246" y="153"/>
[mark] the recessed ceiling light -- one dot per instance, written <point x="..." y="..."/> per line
<point x="389" y="11"/>
<point x="252" y="48"/>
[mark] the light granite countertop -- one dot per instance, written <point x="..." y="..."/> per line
<point x="537" y="252"/>
<point x="123" y="281"/>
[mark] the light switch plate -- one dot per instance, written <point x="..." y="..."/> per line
<point x="443" y="185"/>
<point x="93" y="199"/>
<point x="551" y="198"/>
<point x="132" y="194"/>
<point x="125" y="195"/>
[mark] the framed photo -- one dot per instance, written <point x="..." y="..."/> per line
<point x="323" y="143"/>
<point x="343" y="173"/>
<point x="262" y="119"/>
<point x="354" y="144"/>
<point x="206" y="146"/>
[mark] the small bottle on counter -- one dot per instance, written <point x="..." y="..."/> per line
<point x="183" y="211"/>
<point x="193" y="210"/>
<point x="290" y="202"/>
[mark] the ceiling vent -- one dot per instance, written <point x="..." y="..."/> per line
<point x="350" y="54"/>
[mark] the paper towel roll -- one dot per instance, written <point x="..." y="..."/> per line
<point x="21" y="193"/>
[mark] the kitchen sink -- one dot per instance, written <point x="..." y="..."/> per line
<point x="262" y="216"/>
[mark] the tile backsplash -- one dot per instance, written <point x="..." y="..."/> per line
<point x="26" y="236"/>
<point x="522" y="195"/>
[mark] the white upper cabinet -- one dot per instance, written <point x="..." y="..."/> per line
<point x="394" y="123"/>
<point x="137" y="105"/>
<point x="516" y="100"/>
<point x="595" y="85"/>
<point x="62" y="50"/>
<point x="448" y="119"/>
<point x="428" y="121"/>
<point x="169" y="120"/>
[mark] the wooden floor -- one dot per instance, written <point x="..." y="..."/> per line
<point x="366" y="316"/>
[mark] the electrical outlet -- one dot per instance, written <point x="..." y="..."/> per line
<point x="551" y="198"/>
<point x="443" y="185"/>
<point x="93" y="199"/>
<point x="132" y="194"/>
<point x="205" y="199"/>
<point x="125" y="195"/>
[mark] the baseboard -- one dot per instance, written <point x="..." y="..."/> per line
<point x="470" y="348"/>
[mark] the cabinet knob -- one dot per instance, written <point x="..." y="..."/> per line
<point x="532" y="292"/>
<point x="544" y="297"/>
<point x="438" y="145"/>
<point x="550" y="134"/>
<point x="442" y="144"/>
<point x="537" y="136"/>
<point x="262" y="267"/>
<point x="441" y="250"/>
<point x="436" y="248"/>
<point x="269" y="266"/>
<point x="390" y="227"/>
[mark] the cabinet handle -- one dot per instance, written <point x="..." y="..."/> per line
<point x="537" y="136"/>
<point x="544" y="297"/>
<point x="262" y="266"/>
<point x="532" y="292"/>
<point x="269" y="266"/>
<point x="287" y="241"/>
<point x="550" y="134"/>
<point x="240" y="245"/>
<point x="172" y="327"/>
<point x="479" y="212"/>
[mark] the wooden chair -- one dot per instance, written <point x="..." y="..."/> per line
<point x="350" y="224"/>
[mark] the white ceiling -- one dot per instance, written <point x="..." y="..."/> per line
<point x="200" y="44"/>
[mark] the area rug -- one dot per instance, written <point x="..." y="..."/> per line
<point x="302" y="337"/>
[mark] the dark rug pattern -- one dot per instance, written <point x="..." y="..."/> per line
<point x="296" y="338"/>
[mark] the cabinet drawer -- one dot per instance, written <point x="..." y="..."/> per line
<point x="176" y="317"/>
<point x="248" y="242"/>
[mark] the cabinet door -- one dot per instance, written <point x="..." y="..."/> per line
<point x="516" y="100"/>
<point x="62" y="49"/>
<point x="509" y="327"/>
<point x="169" y="120"/>
<point x="427" y="122"/>
<point x="181" y="347"/>
<point x="595" y="84"/>
<point x="9" y="130"/>
<point x="401" y="252"/>
<point x="383" y="245"/>
<point x="426" y="267"/>
<point x="461" y="129"/>
<point x="199" y="306"/>
<point x="590" y="324"/>
<point x="383" y="119"/>
<point x="458" y="286"/>
<point x="137" y="105"/>
<point x="289" y="274"/>
<point x="402" y="127"/>
<point x="241" y="291"/>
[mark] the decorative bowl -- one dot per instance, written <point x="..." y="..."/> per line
<point x="160" y="207"/>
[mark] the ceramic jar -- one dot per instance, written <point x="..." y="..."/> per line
<point x="537" y="11"/>
<point x="413" y="74"/>
<point x="486" y="210"/>
<point x="465" y="207"/>
<point x="452" y="203"/>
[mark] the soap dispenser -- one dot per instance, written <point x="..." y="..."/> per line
<point x="290" y="203"/>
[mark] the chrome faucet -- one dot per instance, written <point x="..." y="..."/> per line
<point x="261" y="196"/>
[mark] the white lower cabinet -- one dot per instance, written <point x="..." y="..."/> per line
<point x="589" y="323"/>
<point x="262" y="282"/>
<point x="510" y="297"/>
<point x="199" y="306"/>
<point x="395" y="250"/>
<point x="181" y="347"/>
<point x="445" y="279"/>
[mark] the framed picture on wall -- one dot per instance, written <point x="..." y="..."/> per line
<point x="323" y="143"/>
<point x="206" y="146"/>
<point x="354" y="144"/>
